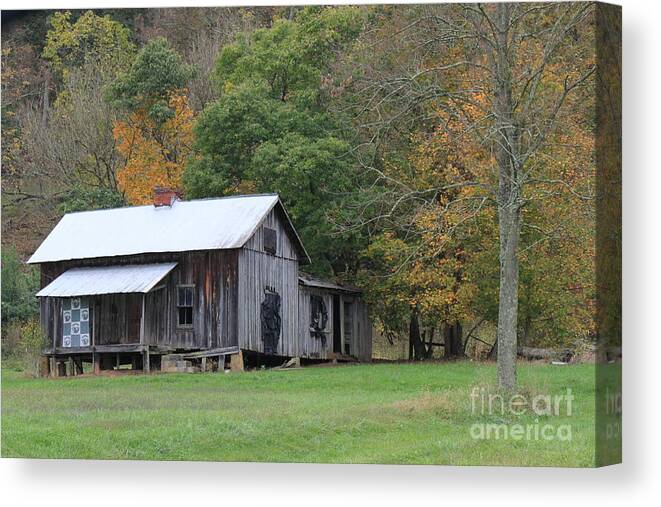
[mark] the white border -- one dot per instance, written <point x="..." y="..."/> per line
<point x="637" y="482"/>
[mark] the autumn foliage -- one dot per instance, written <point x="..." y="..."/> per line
<point x="155" y="155"/>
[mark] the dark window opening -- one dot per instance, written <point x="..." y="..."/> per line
<point x="185" y="305"/>
<point x="270" y="240"/>
<point x="348" y="327"/>
<point x="337" y="330"/>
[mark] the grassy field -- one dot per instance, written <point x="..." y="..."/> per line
<point x="379" y="413"/>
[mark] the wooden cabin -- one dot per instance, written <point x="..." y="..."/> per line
<point x="206" y="278"/>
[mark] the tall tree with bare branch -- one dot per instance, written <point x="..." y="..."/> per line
<point x="500" y="83"/>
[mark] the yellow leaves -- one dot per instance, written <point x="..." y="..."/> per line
<point x="89" y="38"/>
<point x="154" y="155"/>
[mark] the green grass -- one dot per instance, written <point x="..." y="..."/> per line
<point x="379" y="413"/>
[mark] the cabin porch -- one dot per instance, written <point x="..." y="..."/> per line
<point x="71" y="361"/>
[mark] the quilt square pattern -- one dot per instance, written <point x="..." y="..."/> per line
<point x="76" y="322"/>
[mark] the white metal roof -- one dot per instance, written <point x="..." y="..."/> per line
<point x="107" y="280"/>
<point x="207" y="224"/>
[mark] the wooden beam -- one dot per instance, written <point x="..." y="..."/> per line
<point x="145" y="361"/>
<point x="211" y="352"/>
<point x="142" y="321"/>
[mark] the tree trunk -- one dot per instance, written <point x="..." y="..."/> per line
<point x="509" y="201"/>
<point x="508" y="301"/>
<point x="453" y="340"/>
<point x="415" y="341"/>
<point x="45" y="102"/>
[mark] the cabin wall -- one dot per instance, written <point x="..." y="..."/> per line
<point x="311" y="346"/>
<point x="285" y="247"/>
<point x="116" y="317"/>
<point x="359" y="325"/>
<point x="260" y="271"/>
<point x="361" y="345"/>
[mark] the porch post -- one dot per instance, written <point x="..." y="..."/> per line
<point x="142" y="321"/>
<point x="145" y="348"/>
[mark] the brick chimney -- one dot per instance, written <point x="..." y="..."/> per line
<point x="164" y="196"/>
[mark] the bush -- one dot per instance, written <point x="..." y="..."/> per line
<point x="22" y="346"/>
<point x="32" y="342"/>
<point x="19" y="285"/>
<point x="22" y="339"/>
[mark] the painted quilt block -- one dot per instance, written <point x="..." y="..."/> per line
<point x="76" y="322"/>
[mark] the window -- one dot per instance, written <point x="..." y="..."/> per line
<point x="270" y="240"/>
<point x="185" y="305"/>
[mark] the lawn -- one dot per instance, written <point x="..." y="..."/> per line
<point x="373" y="413"/>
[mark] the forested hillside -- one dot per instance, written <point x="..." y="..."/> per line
<point x="440" y="157"/>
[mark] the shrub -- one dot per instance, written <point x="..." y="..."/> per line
<point x="19" y="285"/>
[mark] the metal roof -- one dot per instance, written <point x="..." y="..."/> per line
<point x="207" y="224"/>
<point x="311" y="281"/>
<point x="107" y="280"/>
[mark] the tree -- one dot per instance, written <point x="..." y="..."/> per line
<point x="75" y="147"/>
<point x="90" y="39"/>
<point x="57" y="129"/>
<point x="155" y="138"/>
<point x="269" y="130"/>
<point x="19" y="284"/>
<point x="154" y="154"/>
<point x="505" y="77"/>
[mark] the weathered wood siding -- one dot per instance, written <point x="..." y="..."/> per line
<point x="116" y="318"/>
<point x="311" y="346"/>
<point x="360" y="341"/>
<point x="259" y="270"/>
<point x="214" y="276"/>
<point x="285" y="248"/>
<point x="50" y="316"/>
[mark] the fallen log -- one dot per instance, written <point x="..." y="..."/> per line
<point x="533" y="353"/>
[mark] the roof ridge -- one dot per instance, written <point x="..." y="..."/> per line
<point x="181" y="201"/>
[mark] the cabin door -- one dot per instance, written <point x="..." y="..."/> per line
<point x="337" y="326"/>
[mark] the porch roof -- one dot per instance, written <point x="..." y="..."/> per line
<point x="129" y="278"/>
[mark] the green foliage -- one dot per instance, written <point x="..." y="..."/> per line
<point x="231" y="130"/>
<point x="555" y="281"/>
<point x="310" y="175"/>
<point x="155" y="74"/>
<point x="289" y="58"/>
<point x="90" y="38"/>
<point x="24" y="344"/>
<point x="19" y="285"/>
<point x="269" y="130"/>
<point x="81" y="198"/>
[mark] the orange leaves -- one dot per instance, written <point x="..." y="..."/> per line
<point x="154" y="154"/>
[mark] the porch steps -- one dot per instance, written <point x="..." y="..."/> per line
<point x="175" y="363"/>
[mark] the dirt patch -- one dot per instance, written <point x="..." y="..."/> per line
<point x="427" y="402"/>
